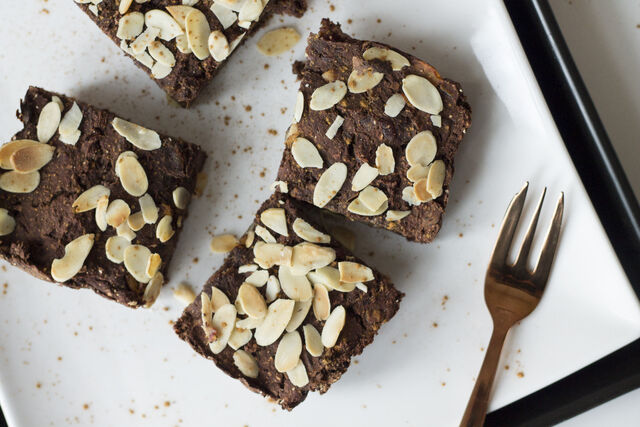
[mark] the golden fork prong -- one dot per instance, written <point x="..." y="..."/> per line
<point x="508" y="228"/>
<point x="541" y="272"/>
<point x="523" y="254"/>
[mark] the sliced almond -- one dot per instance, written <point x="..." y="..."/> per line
<point x="48" y="121"/>
<point x="218" y="299"/>
<point x="234" y="5"/>
<point x="58" y="102"/>
<point x="70" y="123"/>
<point x="16" y="182"/>
<point x="71" y="137"/>
<point x="152" y="290"/>
<point x="362" y="287"/>
<point x="161" y="20"/>
<point x="421" y="149"/>
<point x="145" y="59"/>
<point x="7" y="223"/>
<point x="206" y="317"/>
<point x="278" y="41"/>
<point x="295" y="287"/>
<point x="153" y="265"/>
<point x="223" y="243"/>
<point x="299" y="108"/>
<point x="422" y="94"/>
<point x="149" y="209"/>
<point x="328" y="95"/>
<point x="421" y="192"/>
<point x="75" y="252"/>
<point x="329" y="184"/>
<point x="197" y="30"/>
<point x="417" y="172"/>
<point x="409" y="196"/>
<point x="359" y="208"/>
<point x="306" y="154"/>
<point x="252" y="301"/>
<point x="281" y="186"/>
<point x="101" y="212"/>
<point x="333" y="326"/>
<point x="288" y="352"/>
<point x="363" y="80"/>
<point x="239" y="337"/>
<point x="330" y="278"/>
<point x="353" y="272"/>
<point x="143" y="138"/>
<point x="269" y="254"/>
<point x="372" y="198"/>
<point x="363" y="177"/>
<point x="145" y="38"/>
<point x="276" y="220"/>
<point x="258" y="278"/>
<point x="247" y="268"/>
<point x="225" y="16"/>
<point x="273" y="289"/>
<point x="398" y="62"/>
<point x="218" y="45"/>
<point x="335" y="126"/>
<point x="136" y="221"/>
<point x="114" y="248"/>
<point x="124" y="5"/>
<point x="397" y="215"/>
<point x="312" y="340"/>
<point x="130" y="25"/>
<point x="249" y="323"/>
<point x="251" y="10"/>
<point x="164" y="229"/>
<point x="7" y="150"/>
<point x="179" y="13"/>
<point x="305" y="231"/>
<point x="278" y="316"/>
<point x="435" y="180"/>
<point x="298" y="375"/>
<point x="89" y="198"/>
<point x="117" y="212"/>
<point x="182" y="43"/>
<point x="224" y="321"/>
<point x="249" y="238"/>
<point x="394" y="105"/>
<point x="160" y="53"/>
<point x="125" y="231"/>
<point x="300" y="311"/>
<point x="181" y="197"/>
<point x="308" y="256"/>
<point x="136" y="259"/>
<point x="264" y="234"/>
<point x="246" y="364"/>
<point x="321" y="302"/>
<point x="384" y="160"/>
<point x="132" y="175"/>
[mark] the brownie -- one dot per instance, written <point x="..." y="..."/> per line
<point x="183" y="77"/>
<point x="366" y="306"/>
<point x="366" y="108"/>
<point x="85" y="155"/>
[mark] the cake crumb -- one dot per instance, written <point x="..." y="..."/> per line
<point x="520" y="374"/>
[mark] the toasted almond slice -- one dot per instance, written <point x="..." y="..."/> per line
<point x="179" y="13"/>
<point x="305" y="231"/>
<point x="249" y="323"/>
<point x="239" y="337"/>
<point x="58" y="102"/>
<point x="124" y="6"/>
<point x="181" y="197"/>
<point x="16" y="182"/>
<point x="136" y="259"/>
<point x="246" y="364"/>
<point x="306" y="154"/>
<point x="75" y="252"/>
<point x="409" y="196"/>
<point x="398" y="62"/>
<point x="436" y="120"/>
<point x="132" y="176"/>
<point x="233" y="44"/>
<point x="182" y="43"/>
<point x="198" y="30"/>
<point x="295" y="287"/>
<point x="184" y="293"/>
<point x="308" y="256"/>
<point x="312" y="340"/>
<point x="153" y="265"/>
<point x="298" y="375"/>
<point x="130" y="25"/>
<point x="145" y="59"/>
<point x="164" y="229"/>
<point x="288" y="352"/>
<point x="252" y="301"/>
<point x="117" y="212"/>
<point x="114" y="248"/>
<point x="149" y="209"/>
<point x="422" y="94"/>
<point x="269" y="254"/>
<point x="7" y="150"/>
<point x="300" y="311"/>
<point x="48" y="121"/>
<point x="152" y="290"/>
<point x="264" y="234"/>
<point x="275" y="322"/>
<point x="321" y="302"/>
<point x="363" y="177"/>
<point x="101" y="212"/>
<point x="335" y="126"/>
<point x="143" y="138"/>
<point x="278" y="41"/>
<point x="273" y="289"/>
<point x="144" y="39"/>
<point x="218" y="45"/>
<point x="225" y="16"/>
<point x="234" y="5"/>
<point x="329" y="184"/>
<point x="160" y="70"/>
<point x="218" y="299"/>
<point x="353" y="272"/>
<point x="258" y="278"/>
<point x="123" y="230"/>
<point x="299" y="108"/>
<point x="250" y="236"/>
<point x="276" y="220"/>
<point x="333" y="326"/>
<point x="281" y="186"/>
<point x="417" y="172"/>
<point x="435" y="180"/>
<point x="359" y="208"/>
<point x="247" y="268"/>
<point x="223" y="243"/>
<point x="330" y="278"/>
<point x="394" y="105"/>
<point x="328" y="95"/>
<point x="397" y="215"/>
<point x="224" y="321"/>
<point x="362" y="80"/>
<point x="421" y="149"/>
<point x="160" y="19"/>
<point x="251" y="10"/>
<point x="206" y="317"/>
<point x="89" y="198"/>
<point x="136" y="221"/>
<point x="160" y="53"/>
<point x="372" y="198"/>
<point x="7" y="223"/>
<point x="384" y="160"/>
<point x="70" y="138"/>
<point x="70" y="122"/>
<point x="420" y="190"/>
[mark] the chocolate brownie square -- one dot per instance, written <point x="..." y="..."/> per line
<point x="90" y="200"/>
<point x="182" y="44"/>
<point x="289" y="307"/>
<point x="374" y="136"/>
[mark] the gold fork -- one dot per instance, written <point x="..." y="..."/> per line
<point x="511" y="292"/>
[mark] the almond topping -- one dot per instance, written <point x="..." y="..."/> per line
<point x="136" y="259"/>
<point x="333" y="326"/>
<point x="421" y="149"/>
<point x="16" y="182"/>
<point x="329" y="184"/>
<point x="130" y="25"/>
<point x="372" y="198"/>
<point x="269" y="254"/>
<point x="352" y="272"/>
<point x="362" y="80"/>
<point x="298" y="375"/>
<point x="308" y="256"/>
<point x="181" y="197"/>
<point x="251" y="10"/>
<point x="7" y="223"/>
<point x="258" y="278"/>
<point x="182" y="43"/>
<point x="300" y="311"/>
<point x="223" y="243"/>
<point x="249" y="238"/>
<point x="246" y="364"/>
<point x="275" y="219"/>
<point x="124" y="6"/>
<point x="161" y="20"/>
<point x="264" y="234"/>
<point x="48" y="121"/>
<point x="160" y="53"/>
<point x="149" y="209"/>
<point x="117" y="212"/>
<point x="417" y="172"/>
<point x="288" y="352"/>
<point x="384" y="160"/>
<point x="422" y="94"/>
<point x="251" y="301"/>
<point x="396" y="215"/>
<point x="335" y="126"/>
<point x="295" y="287"/>
<point x="160" y="71"/>
<point x="153" y="265"/>
<point x="114" y="248"/>
<point x="363" y="177"/>
<point x="359" y="208"/>
<point x="330" y="278"/>
<point x="239" y="337"/>
<point x="226" y="16"/>
<point x="218" y="299"/>
<point x="125" y="231"/>
<point x="305" y="231"/>
<point x="224" y="321"/>
<point x="435" y="180"/>
<point x="152" y="290"/>
<point x="398" y="62"/>
<point x="206" y="317"/>
<point x="68" y="129"/>
<point x="409" y="196"/>
<point x="328" y="95"/>
<point x="132" y="175"/>
<point x="179" y="13"/>
<point x="145" y="38"/>
<point x="275" y="322"/>
<point x="198" y="30"/>
<point x="7" y="150"/>
<point x="101" y="212"/>
<point x="143" y="138"/>
<point x="247" y="268"/>
<point x="278" y="41"/>
<point x="136" y="221"/>
<point x="75" y="252"/>
<point x="273" y="289"/>
<point x="421" y="192"/>
<point x="164" y="229"/>
<point x="299" y="108"/>
<point x="89" y="198"/>
<point x="306" y="154"/>
<point x="249" y="323"/>
<point x="218" y="46"/>
<point x="436" y="120"/>
<point x="395" y="104"/>
<point x="321" y="302"/>
<point x="312" y="340"/>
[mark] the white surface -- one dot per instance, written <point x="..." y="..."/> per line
<point x="424" y="371"/>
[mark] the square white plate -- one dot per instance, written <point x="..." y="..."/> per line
<point x="70" y="357"/>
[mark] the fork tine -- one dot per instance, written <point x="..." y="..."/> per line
<point x="508" y="228"/>
<point x="543" y="268"/>
<point x="523" y="254"/>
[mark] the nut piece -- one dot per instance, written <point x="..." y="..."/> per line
<point x="308" y="256"/>
<point x="160" y="53"/>
<point x="330" y="278"/>
<point x="160" y="71"/>
<point x="321" y="302"/>
<point x="218" y="299"/>
<point x="184" y="293"/>
<point x="7" y="223"/>
<point x="117" y="212"/>
<point x="152" y="290"/>
<point x="114" y="248"/>
<point x="300" y="311"/>
<point x="48" y="121"/>
<point x="275" y="219"/>
<point x="183" y="44"/>
<point x="435" y="179"/>
<point x="124" y="6"/>
<point x="161" y="20"/>
<point x="328" y="95"/>
<point x="363" y="177"/>
<point x="352" y="272"/>
<point x="333" y="129"/>
<point x="130" y="25"/>
<point x="148" y="208"/>
<point x="333" y="326"/>
<point x="269" y="254"/>
<point x="421" y="192"/>
<point x="372" y="198"/>
<point x="249" y="238"/>
<point x="409" y="196"/>
<point x="278" y="41"/>
<point x="298" y="375"/>
<point x="181" y="197"/>
<point x="136" y="259"/>
<point x="224" y="321"/>
<point x="395" y="104"/>
<point x="362" y="80"/>
<point x="239" y="337"/>
<point x="359" y="208"/>
<point x="143" y="40"/>
<point x="206" y="317"/>
<point x="305" y="231"/>
<point x="312" y="340"/>
<point x="273" y="289"/>
<point x="164" y="230"/>
<point x="282" y="186"/>
<point x="198" y="30"/>
<point x="247" y="268"/>
<point x="16" y="182"/>
<point x="251" y="301"/>
<point x="258" y="278"/>
<point x="295" y="287"/>
<point x="218" y="46"/>
<point x="136" y="221"/>
<point x="417" y="172"/>
<point x="288" y="352"/>
<point x="329" y="184"/>
<point x="436" y="120"/>
<point x="223" y="243"/>
<point x="179" y="13"/>
<point x="306" y="154"/>
<point x="246" y="364"/>
<point x="132" y="175"/>
<point x="299" y="108"/>
<point x="422" y="94"/>
<point x="396" y="215"/>
<point x="384" y="160"/>
<point x="226" y="16"/>
<point x="422" y="149"/>
<point x="143" y="138"/>
<point x="75" y="252"/>
<point x="251" y="10"/>
<point x="70" y="122"/>
<point x="249" y="323"/>
<point x="153" y="265"/>
<point x="89" y="198"/>
<point x="101" y="212"/>
<point x="125" y="231"/>
<point x="276" y="320"/>
<point x="398" y="62"/>
<point x="264" y="234"/>
<point x="7" y="150"/>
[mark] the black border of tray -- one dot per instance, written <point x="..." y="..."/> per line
<point x="602" y="175"/>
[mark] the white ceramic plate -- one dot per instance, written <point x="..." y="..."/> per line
<point x="71" y="357"/>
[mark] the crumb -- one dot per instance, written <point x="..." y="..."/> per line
<point x="520" y="374"/>
<point x="460" y="235"/>
<point x="247" y="108"/>
<point x="506" y="367"/>
<point x="355" y="361"/>
<point x="272" y="132"/>
<point x="349" y="21"/>
<point x="38" y="385"/>
<point x="266" y="66"/>
<point x="167" y="404"/>
<point x="131" y="411"/>
<point x="378" y="20"/>
<point x="45" y="11"/>
<point x="332" y="8"/>
<point x="434" y="324"/>
<point x="85" y="406"/>
<point x="195" y="260"/>
<point x="443" y="384"/>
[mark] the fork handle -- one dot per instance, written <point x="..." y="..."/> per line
<point x="476" y="410"/>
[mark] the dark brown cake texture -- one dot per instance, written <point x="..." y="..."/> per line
<point x="181" y="52"/>
<point x="375" y="134"/>
<point x="91" y="200"/>
<point x="317" y="317"/>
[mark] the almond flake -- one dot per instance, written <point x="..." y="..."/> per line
<point x="372" y="198"/>
<point x="239" y="337"/>
<point x="422" y="94"/>
<point x="16" y="182"/>
<point x="298" y="375"/>
<point x="114" y="248"/>
<point x="329" y="184"/>
<point x="321" y="302"/>
<point x="136" y="221"/>
<point x="258" y="278"/>
<point x="101" y="212"/>
<point x="179" y="13"/>
<point x="233" y="44"/>
<point x="329" y="277"/>
<point x="247" y="268"/>
<point x="249" y="238"/>
<point x="75" y="252"/>
<point x="143" y="138"/>
<point x="273" y="289"/>
<point x="288" y="352"/>
<point x="225" y="16"/>
<point x="218" y="45"/>
<point x="328" y="95"/>
<point x="184" y="293"/>
<point x="58" y="101"/>
<point x="305" y="231"/>
<point x="224" y="321"/>
<point x="435" y="180"/>
<point x="123" y="230"/>
<point x="421" y="149"/>
<point x="148" y="209"/>
<point x="251" y="301"/>
<point x="246" y="364"/>
<point x="234" y="5"/>
<point x="278" y="41"/>
<point x="275" y="322"/>
<point x="306" y="154"/>
<point x="362" y="80"/>
<point x="136" y="258"/>
<point x="249" y="323"/>
<point x="89" y="198"/>
<point x="182" y="43"/>
<point x="153" y="265"/>
<point x="312" y="340"/>
<point x="362" y="287"/>
<point x="181" y="197"/>
<point x="397" y="215"/>
<point x="299" y="108"/>
<point x="152" y="290"/>
<point x="206" y="317"/>
<point x="160" y="53"/>
<point x="417" y="172"/>
<point x="198" y="30"/>
<point x="7" y="150"/>
<point x="275" y="219"/>
<point x="161" y="20"/>
<point x="250" y="10"/>
<point x="333" y="326"/>
<point x="264" y="234"/>
<point x="117" y="212"/>
<point x="384" y="160"/>
<point x="335" y="126"/>
<point x="421" y="192"/>
<point x="124" y="6"/>
<point x="363" y="177"/>
<point x="353" y="272"/>
<point x="160" y="71"/>
<point x="184" y="2"/>
<point x="295" y="287"/>
<point x="48" y="121"/>
<point x="143" y="40"/>
<point x="436" y="120"/>
<point x="300" y="311"/>
<point x="132" y="175"/>
<point x="164" y="229"/>
<point x="31" y="158"/>
<point x="145" y="59"/>
<point x="398" y="62"/>
<point x="218" y="299"/>
<point x="281" y="186"/>
<point x="68" y="129"/>
<point x="308" y="256"/>
<point x="7" y="223"/>
<point x="269" y="254"/>
<point x="223" y="243"/>
<point x="395" y="104"/>
<point x="409" y="196"/>
<point x="94" y="9"/>
<point x="130" y="25"/>
<point x="359" y="208"/>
